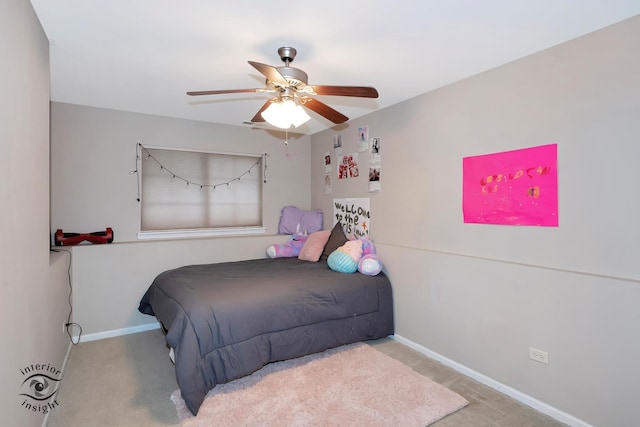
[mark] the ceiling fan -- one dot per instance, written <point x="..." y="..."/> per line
<point x="290" y="86"/>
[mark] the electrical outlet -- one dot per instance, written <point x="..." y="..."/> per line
<point x="538" y="355"/>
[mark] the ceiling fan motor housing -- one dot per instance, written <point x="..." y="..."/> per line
<point x="294" y="76"/>
<point x="287" y="54"/>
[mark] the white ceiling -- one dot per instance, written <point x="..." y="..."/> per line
<point x="143" y="55"/>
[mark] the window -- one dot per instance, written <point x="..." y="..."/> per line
<point x="191" y="191"/>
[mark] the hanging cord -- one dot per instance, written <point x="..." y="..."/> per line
<point x="264" y="167"/>
<point x="136" y="170"/>
<point x="69" y="324"/>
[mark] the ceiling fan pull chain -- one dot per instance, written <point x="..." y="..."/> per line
<point x="286" y="137"/>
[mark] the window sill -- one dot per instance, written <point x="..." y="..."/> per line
<point x="181" y="234"/>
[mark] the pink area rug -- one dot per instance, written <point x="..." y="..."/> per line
<point x="347" y="386"/>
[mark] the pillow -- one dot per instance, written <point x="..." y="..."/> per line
<point x="353" y="248"/>
<point x="314" y="245"/>
<point x="294" y="220"/>
<point x="311" y="221"/>
<point x="336" y="239"/>
<point x="345" y="258"/>
<point x="341" y="262"/>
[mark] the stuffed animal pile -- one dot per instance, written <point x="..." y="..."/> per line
<point x="354" y="255"/>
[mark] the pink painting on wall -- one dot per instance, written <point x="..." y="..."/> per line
<point x="517" y="187"/>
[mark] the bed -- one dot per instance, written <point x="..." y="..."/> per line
<point x="227" y="320"/>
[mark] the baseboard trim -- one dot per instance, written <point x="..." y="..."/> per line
<point x="116" y="332"/>
<point x="523" y="398"/>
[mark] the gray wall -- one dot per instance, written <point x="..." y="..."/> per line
<point x="94" y="149"/>
<point x="106" y="304"/>
<point x="33" y="288"/>
<point x="478" y="296"/>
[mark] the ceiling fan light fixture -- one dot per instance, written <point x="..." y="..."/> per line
<point x="285" y="113"/>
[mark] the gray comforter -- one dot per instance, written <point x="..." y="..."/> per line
<point x="227" y="320"/>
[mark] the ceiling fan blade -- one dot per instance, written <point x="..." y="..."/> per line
<point x="359" y="91"/>
<point x="221" y="92"/>
<point x="258" y="117"/>
<point x="271" y="73"/>
<point x="325" y="111"/>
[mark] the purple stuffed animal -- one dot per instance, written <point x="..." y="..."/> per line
<point x="287" y="250"/>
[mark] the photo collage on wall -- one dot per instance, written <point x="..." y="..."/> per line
<point x="348" y="165"/>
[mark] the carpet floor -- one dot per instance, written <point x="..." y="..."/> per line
<point x="349" y="385"/>
<point x="128" y="381"/>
